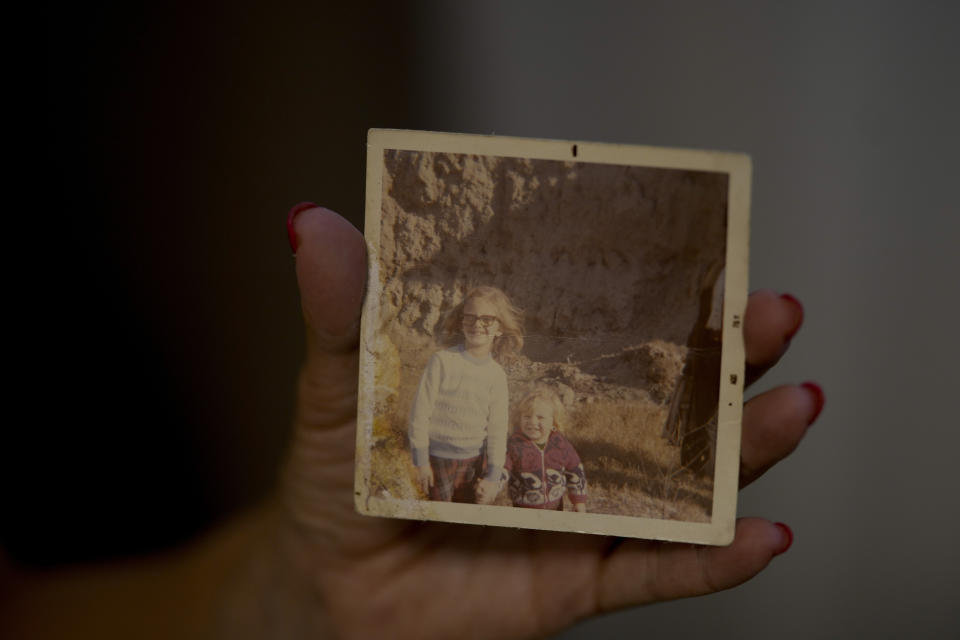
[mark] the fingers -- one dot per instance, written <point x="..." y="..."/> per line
<point x="770" y="322"/>
<point x="774" y="422"/>
<point x="425" y="477"/>
<point x="485" y="492"/>
<point x="639" y="572"/>
<point x="773" y="425"/>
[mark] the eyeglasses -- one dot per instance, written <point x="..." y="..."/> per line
<point x="485" y="321"/>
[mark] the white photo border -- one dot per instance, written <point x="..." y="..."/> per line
<point x="720" y="529"/>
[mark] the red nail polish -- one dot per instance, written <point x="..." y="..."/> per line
<point x="789" y="533"/>
<point x="291" y="234"/>
<point x="799" y="313"/>
<point x="819" y="398"/>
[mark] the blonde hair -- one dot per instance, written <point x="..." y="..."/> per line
<point x="545" y="395"/>
<point x="505" y="346"/>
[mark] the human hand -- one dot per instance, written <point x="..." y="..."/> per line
<point x="425" y="478"/>
<point x="326" y="569"/>
<point x="487" y="491"/>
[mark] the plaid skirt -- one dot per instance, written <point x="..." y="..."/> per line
<point x="455" y="480"/>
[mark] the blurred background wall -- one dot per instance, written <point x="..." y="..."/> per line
<point x="178" y="136"/>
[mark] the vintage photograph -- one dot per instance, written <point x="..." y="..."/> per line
<point x="547" y="334"/>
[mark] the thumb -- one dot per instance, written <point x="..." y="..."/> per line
<point x="331" y="273"/>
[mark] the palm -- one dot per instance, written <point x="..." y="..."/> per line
<point x="374" y="573"/>
<point x="483" y="581"/>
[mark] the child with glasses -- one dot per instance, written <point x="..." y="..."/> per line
<point x="458" y="423"/>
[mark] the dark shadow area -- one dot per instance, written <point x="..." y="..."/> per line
<point x="177" y="137"/>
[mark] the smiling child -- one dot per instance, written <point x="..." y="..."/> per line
<point x="541" y="462"/>
<point x="458" y="424"/>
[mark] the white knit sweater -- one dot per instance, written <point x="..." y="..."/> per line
<point x="461" y="401"/>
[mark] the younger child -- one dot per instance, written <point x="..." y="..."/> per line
<point x="458" y="424"/>
<point x="542" y="463"/>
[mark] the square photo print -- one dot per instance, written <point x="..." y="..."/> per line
<point x="551" y="336"/>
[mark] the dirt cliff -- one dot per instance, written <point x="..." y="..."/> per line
<point x="600" y="258"/>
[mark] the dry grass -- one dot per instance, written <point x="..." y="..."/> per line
<point x="631" y="470"/>
<point x="391" y="468"/>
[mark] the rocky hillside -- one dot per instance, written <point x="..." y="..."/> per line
<point x="606" y="261"/>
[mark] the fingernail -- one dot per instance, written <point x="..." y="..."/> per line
<point x="787" y="538"/>
<point x="291" y="234"/>
<point x="818" y="398"/>
<point x="798" y="313"/>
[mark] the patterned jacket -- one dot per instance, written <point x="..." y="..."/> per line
<point x="538" y="478"/>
